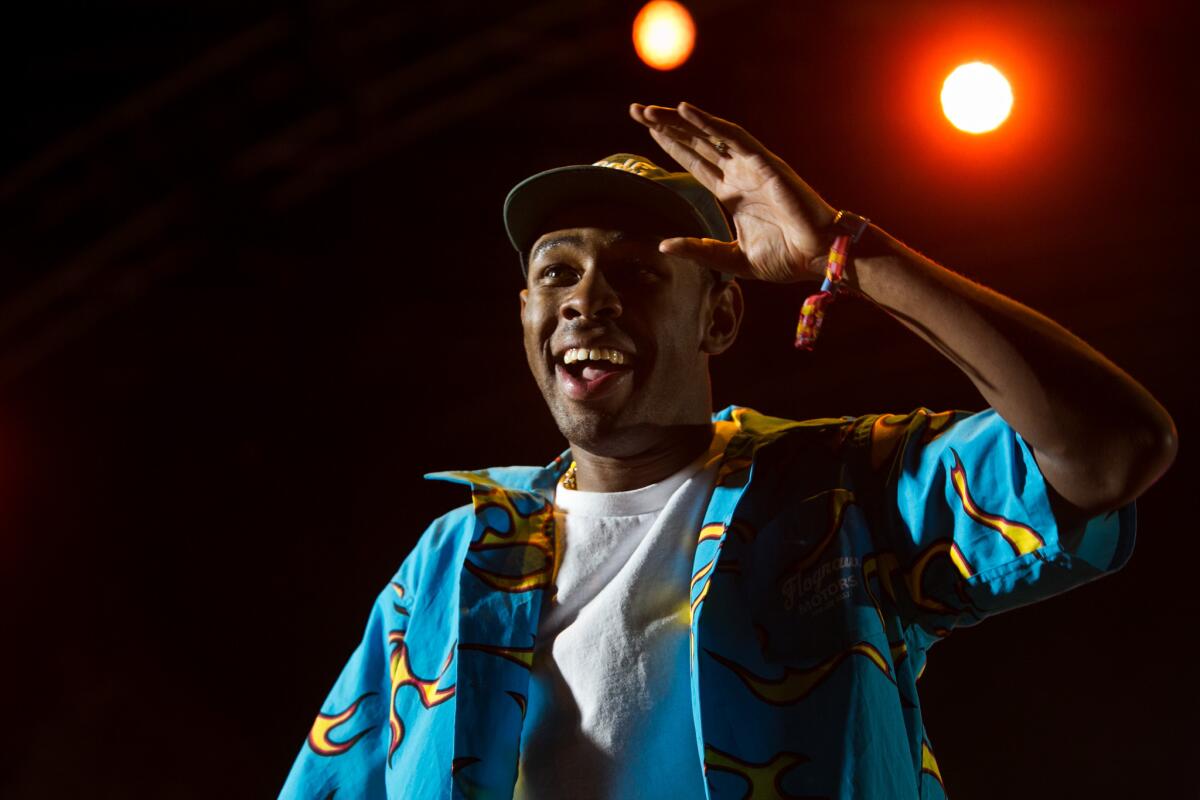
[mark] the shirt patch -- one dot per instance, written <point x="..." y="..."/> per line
<point x="816" y="590"/>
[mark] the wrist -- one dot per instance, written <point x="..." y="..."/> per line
<point x="847" y="231"/>
<point x="874" y="250"/>
<point x="871" y="245"/>
<point x="854" y="227"/>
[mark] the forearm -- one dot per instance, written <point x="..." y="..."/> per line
<point x="1099" y="437"/>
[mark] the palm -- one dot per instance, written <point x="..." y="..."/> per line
<point x="770" y="219"/>
<point x="777" y="217"/>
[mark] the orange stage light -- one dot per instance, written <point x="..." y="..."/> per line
<point x="663" y="34"/>
<point x="976" y="98"/>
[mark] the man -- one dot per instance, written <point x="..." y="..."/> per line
<point x="686" y="605"/>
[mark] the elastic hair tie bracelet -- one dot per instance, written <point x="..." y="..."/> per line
<point x="812" y="311"/>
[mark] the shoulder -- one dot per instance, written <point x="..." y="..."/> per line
<point x="448" y="526"/>
<point x="755" y="425"/>
<point x="440" y="550"/>
<point x="872" y="438"/>
<point x="761" y="428"/>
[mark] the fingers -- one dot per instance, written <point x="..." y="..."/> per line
<point x="702" y="169"/>
<point x="670" y="121"/>
<point x="714" y="126"/>
<point x="683" y="142"/>
<point x="721" y="256"/>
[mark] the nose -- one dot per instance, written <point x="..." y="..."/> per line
<point x="593" y="298"/>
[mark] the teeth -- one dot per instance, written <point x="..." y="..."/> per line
<point x="585" y="354"/>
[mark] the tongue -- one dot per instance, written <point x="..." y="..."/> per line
<point x="590" y="373"/>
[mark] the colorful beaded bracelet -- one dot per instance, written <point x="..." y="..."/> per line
<point x="812" y="311"/>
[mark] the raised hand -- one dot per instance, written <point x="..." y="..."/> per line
<point x="783" y="227"/>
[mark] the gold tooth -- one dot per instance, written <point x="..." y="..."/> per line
<point x="575" y="354"/>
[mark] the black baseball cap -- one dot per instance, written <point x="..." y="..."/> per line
<point x="678" y="203"/>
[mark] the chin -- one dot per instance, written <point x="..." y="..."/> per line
<point x="617" y="427"/>
<point x="611" y="433"/>
<point x="585" y="427"/>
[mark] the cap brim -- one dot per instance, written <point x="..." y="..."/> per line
<point x="537" y="199"/>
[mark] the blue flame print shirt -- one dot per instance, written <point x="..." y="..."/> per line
<point x="833" y="554"/>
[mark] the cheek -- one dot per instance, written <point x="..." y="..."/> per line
<point x="531" y="339"/>
<point x="677" y="349"/>
<point x="536" y="326"/>
<point x="690" y="329"/>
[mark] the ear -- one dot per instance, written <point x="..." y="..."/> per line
<point x="524" y="300"/>
<point x="724" y="319"/>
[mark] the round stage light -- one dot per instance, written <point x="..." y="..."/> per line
<point x="663" y="34"/>
<point x="976" y="98"/>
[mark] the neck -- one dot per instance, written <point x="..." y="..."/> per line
<point x="682" y="445"/>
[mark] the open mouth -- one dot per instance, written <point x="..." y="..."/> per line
<point x="586" y="373"/>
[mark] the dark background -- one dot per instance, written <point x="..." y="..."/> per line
<point x="255" y="283"/>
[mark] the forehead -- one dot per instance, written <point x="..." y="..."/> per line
<point x="592" y="240"/>
<point x="605" y="224"/>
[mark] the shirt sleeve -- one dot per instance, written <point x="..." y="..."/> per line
<point x="346" y="749"/>
<point x="970" y="520"/>
<point x="354" y="746"/>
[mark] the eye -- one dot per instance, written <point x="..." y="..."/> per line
<point x="646" y="271"/>
<point x="557" y="275"/>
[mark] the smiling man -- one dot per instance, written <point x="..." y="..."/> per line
<point x="687" y="604"/>
<point x="617" y="336"/>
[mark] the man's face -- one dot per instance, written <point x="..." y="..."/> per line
<point x="617" y="336"/>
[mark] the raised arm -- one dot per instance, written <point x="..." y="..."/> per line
<point x="1099" y="437"/>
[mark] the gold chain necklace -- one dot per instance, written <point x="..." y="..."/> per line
<point x="568" y="478"/>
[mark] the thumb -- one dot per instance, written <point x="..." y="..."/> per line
<point x="721" y="256"/>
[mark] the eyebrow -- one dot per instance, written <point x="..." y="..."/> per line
<point x="550" y="244"/>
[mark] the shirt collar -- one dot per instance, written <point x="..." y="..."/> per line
<point x="541" y="480"/>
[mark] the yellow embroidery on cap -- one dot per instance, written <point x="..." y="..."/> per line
<point x="642" y="168"/>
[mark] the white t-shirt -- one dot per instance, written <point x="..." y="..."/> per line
<point x="610" y="712"/>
